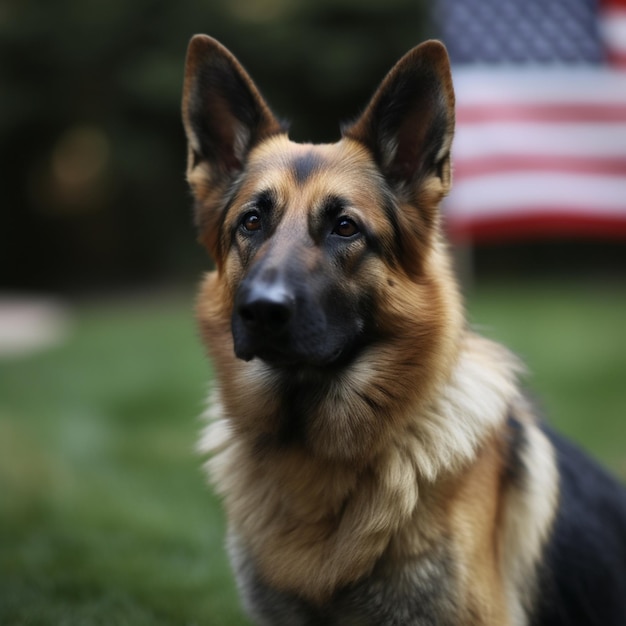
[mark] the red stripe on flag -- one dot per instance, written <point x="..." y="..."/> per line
<point x="480" y="166"/>
<point x="617" y="58"/>
<point x="472" y="114"/>
<point x="535" y="225"/>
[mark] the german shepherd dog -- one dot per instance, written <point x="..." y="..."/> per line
<point x="377" y="460"/>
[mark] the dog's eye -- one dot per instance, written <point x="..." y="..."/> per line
<point x="251" y="222"/>
<point x="345" y="227"/>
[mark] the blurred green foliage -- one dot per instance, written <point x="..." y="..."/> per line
<point x="91" y="145"/>
<point x="105" y="515"/>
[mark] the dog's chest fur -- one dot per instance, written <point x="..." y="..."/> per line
<point x="421" y="593"/>
<point x="412" y="541"/>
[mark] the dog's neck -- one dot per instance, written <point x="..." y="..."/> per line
<point x="285" y="503"/>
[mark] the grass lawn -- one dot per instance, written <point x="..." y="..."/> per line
<point x="105" y="517"/>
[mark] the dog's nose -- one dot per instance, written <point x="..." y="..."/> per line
<point x="266" y="307"/>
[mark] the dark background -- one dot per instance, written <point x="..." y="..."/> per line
<point x="92" y="151"/>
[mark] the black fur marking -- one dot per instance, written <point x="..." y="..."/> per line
<point x="265" y="200"/>
<point x="294" y="416"/>
<point x="391" y="213"/>
<point x="301" y="394"/>
<point x="429" y="601"/>
<point x="374" y="600"/>
<point x="332" y="208"/>
<point x="515" y="467"/>
<point x="230" y="195"/>
<point x="305" y="165"/>
<point x="583" y="579"/>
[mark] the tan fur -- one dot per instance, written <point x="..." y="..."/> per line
<point x="347" y="516"/>
<point x="473" y="514"/>
<point x="528" y="513"/>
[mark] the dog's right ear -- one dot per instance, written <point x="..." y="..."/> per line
<point x="409" y="124"/>
<point x="224" y="117"/>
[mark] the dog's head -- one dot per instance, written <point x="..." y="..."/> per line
<point x="308" y="239"/>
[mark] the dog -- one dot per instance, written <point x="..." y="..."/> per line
<point x="377" y="460"/>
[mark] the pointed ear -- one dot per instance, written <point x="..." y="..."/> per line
<point x="409" y="124"/>
<point x="224" y="116"/>
<point x="223" y="112"/>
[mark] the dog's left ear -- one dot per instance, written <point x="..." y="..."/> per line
<point x="409" y="123"/>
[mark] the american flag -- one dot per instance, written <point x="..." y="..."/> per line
<point x="540" y="148"/>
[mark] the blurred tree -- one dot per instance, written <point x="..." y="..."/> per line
<point x="91" y="146"/>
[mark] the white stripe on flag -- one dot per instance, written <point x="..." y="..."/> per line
<point x="479" y="140"/>
<point x="523" y="192"/>
<point x="504" y="84"/>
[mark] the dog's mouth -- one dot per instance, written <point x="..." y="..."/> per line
<point x="284" y="358"/>
<point x="306" y="343"/>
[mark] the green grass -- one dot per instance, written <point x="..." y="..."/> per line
<point x="572" y="338"/>
<point x="105" y="516"/>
